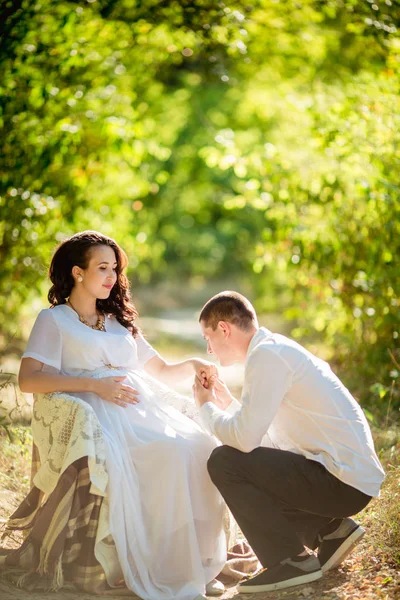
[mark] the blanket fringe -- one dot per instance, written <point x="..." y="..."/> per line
<point x="57" y="571"/>
<point x="21" y="581"/>
<point x="58" y="578"/>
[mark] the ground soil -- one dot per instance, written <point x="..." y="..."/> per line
<point x="363" y="576"/>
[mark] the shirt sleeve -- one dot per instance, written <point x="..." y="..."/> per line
<point x="267" y="378"/>
<point x="234" y="406"/>
<point x="145" y="350"/>
<point x="44" y="342"/>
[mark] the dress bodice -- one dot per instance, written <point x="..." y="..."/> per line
<point x="59" y="340"/>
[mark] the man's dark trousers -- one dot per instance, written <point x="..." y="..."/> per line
<point x="281" y="500"/>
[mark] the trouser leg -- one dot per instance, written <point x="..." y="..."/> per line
<point x="280" y="500"/>
<point x="306" y="525"/>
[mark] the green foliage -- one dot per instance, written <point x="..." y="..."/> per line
<point x="257" y="141"/>
<point x="4" y="421"/>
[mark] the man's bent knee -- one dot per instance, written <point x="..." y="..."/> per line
<point x="221" y="460"/>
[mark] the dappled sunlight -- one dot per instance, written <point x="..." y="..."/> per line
<point x="256" y="144"/>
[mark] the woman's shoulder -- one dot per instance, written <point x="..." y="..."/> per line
<point x="52" y="314"/>
<point x="46" y="314"/>
<point x="46" y="323"/>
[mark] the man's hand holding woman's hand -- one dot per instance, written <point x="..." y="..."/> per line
<point x="112" y="389"/>
<point x="214" y="391"/>
<point x="204" y="394"/>
<point x="204" y="370"/>
<point x="222" y="393"/>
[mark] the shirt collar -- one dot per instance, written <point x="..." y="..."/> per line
<point x="261" y="334"/>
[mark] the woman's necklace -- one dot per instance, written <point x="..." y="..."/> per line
<point x="100" y="324"/>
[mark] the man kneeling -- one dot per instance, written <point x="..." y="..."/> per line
<point x="298" y="457"/>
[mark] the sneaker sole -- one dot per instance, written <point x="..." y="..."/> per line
<point x="345" y="549"/>
<point x="270" y="587"/>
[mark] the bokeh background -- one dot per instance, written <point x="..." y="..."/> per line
<point x="243" y="145"/>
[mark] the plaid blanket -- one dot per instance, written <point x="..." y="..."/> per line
<point x="61" y="534"/>
<point x="63" y="526"/>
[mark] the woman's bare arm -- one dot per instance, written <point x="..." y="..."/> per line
<point x="169" y="373"/>
<point x="32" y="379"/>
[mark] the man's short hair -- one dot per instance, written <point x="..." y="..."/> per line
<point x="231" y="307"/>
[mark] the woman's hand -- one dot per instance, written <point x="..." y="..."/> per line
<point x="113" y="390"/>
<point x="204" y="370"/>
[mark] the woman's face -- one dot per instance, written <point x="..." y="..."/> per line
<point x="100" y="275"/>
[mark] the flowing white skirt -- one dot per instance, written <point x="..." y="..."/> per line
<point x="166" y="516"/>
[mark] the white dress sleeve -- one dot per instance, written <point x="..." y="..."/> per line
<point x="44" y="343"/>
<point x="144" y="350"/>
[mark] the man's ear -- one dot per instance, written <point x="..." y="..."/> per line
<point x="225" y="328"/>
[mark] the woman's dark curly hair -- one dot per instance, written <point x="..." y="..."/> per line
<point x="76" y="251"/>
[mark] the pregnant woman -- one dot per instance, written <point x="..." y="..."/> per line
<point x="165" y="515"/>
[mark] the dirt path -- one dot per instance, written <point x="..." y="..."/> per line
<point x="349" y="582"/>
<point x="361" y="577"/>
<point x="364" y="576"/>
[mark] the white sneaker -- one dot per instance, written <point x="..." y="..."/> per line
<point x="215" y="588"/>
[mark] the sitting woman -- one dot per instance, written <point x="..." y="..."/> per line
<point x="165" y="517"/>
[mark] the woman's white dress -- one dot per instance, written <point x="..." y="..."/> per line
<point x="166" y="516"/>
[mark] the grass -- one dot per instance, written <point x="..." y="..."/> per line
<point x="15" y="475"/>
<point x="382" y="515"/>
<point x="370" y="573"/>
<point x="15" y="456"/>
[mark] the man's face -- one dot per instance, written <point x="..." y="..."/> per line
<point x="218" y="344"/>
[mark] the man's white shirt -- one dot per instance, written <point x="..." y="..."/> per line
<point x="293" y="401"/>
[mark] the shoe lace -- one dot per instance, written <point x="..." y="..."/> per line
<point x="247" y="577"/>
